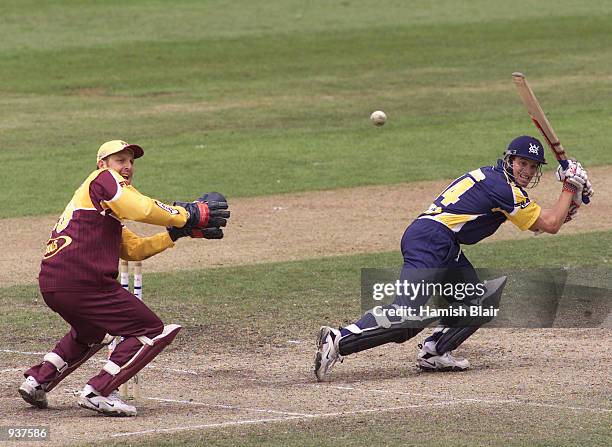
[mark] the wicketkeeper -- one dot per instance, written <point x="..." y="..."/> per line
<point x="78" y="278"/>
<point x="470" y="209"/>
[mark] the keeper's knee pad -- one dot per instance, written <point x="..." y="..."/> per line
<point x="64" y="369"/>
<point x="149" y="350"/>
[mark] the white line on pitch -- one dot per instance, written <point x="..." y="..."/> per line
<point x="363" y="390"/>
<point x="229" y="407"/>
<point x="382" y="410"/>
<point x="182" y="371"/>
<point x="475" y="400"/>
<point x="563" y="407"/>
<point x="431" y="396"/>
<point x="203" y="426"/>
<point x="288" y="418"/>
<point x="22" y="352"/>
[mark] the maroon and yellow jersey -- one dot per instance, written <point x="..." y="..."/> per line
<point x="89" y="237"/>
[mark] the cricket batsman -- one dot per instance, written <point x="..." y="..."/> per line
<point x="470" y="209"/>
<point x="78" y="278"/>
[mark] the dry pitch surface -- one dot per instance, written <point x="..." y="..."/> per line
<point x="529" y="385"/>
<point x="524" y="385"/>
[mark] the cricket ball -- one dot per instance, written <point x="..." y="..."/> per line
<point x="378" y="118"/>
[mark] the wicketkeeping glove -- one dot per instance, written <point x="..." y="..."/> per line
<point x="209" y="211"/>
<point x="196" y="233"/>
<point x="219" y="209"/>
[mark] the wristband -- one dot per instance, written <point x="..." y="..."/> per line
<point x="569" y="187"/>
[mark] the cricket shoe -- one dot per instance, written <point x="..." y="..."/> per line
<point x="111" y="405"/>
<point x="327" y="352"/>
<point x="445" y="362"/>
<point x="32" y="392"/>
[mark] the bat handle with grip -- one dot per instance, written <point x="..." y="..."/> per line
<point x="564" y="164"/>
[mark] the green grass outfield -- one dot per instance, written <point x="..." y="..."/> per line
<point x="305" y="294"/>
<point x="255" y="99"/>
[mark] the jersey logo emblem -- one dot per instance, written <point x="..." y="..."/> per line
<point x="524" y="203"/>
<point x="167" y="208"/>
<point x="55" y="245"/>
<point x="534" y="149"/>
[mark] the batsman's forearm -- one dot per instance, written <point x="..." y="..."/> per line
<point x="563" y="205"/>
<point x="551" y="219"/>
<point x="558" y="213"/>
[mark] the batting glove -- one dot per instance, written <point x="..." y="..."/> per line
<point x="588" y="189"/>
<point x="574" y="175"/>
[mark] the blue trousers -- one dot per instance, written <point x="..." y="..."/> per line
<point x="431" y="255"/>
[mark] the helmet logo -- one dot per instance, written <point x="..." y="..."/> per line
<point x="534" y="149"/>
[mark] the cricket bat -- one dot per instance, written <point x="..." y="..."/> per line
<point x="541" y="122"/>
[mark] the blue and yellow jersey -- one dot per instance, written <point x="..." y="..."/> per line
<point x="477" y="203"/>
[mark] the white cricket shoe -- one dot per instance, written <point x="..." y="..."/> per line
<point x="31" y="391"/>
<point x="327" y="352"/>
<point x="111" y="405"/>
<point x="445" y="362"/>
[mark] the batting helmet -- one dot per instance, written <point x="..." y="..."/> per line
<point x="526" y="147"/>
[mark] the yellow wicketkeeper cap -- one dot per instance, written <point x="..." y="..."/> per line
<point x="112" y="147"/>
